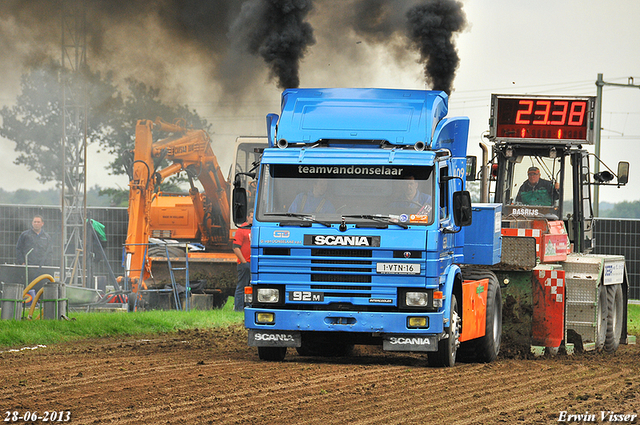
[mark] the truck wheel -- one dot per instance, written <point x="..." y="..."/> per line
<point x="272" y="354"/>
<point x="603" y="314"/>
<point x="323" y="348"/>
<point x="448" y="347"/>
<point x="489" y="345"/>
<point x="615" y="303"/>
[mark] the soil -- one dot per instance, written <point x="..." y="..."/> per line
<point x="212" y="376"/>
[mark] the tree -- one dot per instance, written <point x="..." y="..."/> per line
<point x="624" y="209"/>
<point x="34" y="123"/>
<point x="142" y="102"/>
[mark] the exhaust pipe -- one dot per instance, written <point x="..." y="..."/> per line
<point x="282" y="144"/>
<point x="484" y="175"/>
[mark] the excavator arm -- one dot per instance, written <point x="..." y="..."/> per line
<point x="186" y="150"/>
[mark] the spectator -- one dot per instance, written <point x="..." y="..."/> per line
<point x="37" y="241"/>
<point x="242" y="249"/>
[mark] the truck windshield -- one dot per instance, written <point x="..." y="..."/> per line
<point x="357" y="192"/>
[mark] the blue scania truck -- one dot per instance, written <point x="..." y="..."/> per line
<point x="363" y="232"/>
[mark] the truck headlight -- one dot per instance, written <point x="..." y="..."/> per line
<point x="416" y="299"/>
<point x="268" y="295"/>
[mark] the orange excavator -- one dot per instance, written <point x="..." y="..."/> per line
<point x="196" y="218"/>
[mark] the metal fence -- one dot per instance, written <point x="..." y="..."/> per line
<point x="621" y="237"/>
<point x="14" y="219"/>
<point x="613" y="236"/>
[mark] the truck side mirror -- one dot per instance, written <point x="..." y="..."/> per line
<point x="239" y="205"/>
<point x="462" y="208"/>
<point x="623" y="172"/>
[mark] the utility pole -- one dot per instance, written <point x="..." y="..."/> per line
<point x="74" y="142"/>
<point x="599" y="84"/>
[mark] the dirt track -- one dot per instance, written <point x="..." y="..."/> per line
<point x="213" y="377"/>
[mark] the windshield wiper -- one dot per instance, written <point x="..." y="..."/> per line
<point x="304" y="217"/>
<point x="378" y="217"/>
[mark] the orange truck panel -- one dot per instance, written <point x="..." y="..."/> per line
<point x="474" y="309"/>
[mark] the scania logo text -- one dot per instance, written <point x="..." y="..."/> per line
<point x="272" y="337"/>
<point x="410" y="341"/>
<point x="342" y="240"/>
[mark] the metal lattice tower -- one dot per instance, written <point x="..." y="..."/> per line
<point x="74" y="142"/>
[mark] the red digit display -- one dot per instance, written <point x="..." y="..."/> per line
<point x="541" y="117"/>
<point x="545" y="105"/>
<point x="527" y="111"/>
<point x="562" y="113"/>
<point x="576" y="116"/>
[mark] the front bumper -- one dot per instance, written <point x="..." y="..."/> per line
<point x="391" y="327"/>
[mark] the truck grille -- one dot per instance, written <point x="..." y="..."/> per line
<point x="355" y="278"/>
<point x="318" y="252"/>
<point x="345" y="276"/>
<point x="335" y="273"/>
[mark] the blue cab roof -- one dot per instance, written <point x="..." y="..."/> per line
<point x="401" y="117"/>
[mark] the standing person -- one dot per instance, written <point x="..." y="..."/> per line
<point x="36" y="239"/>
<point x="242" y="249"/>
<point x="537" y="191"/>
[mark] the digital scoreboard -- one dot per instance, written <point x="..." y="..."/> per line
<point x="553" y="119"/>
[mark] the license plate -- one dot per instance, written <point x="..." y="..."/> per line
<point x="398" y="268"/>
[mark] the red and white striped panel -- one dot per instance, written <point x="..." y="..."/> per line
<point x="529" y="233"/>
<point x="553" y="282"/>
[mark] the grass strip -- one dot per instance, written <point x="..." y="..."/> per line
<point x="20" y="333"/>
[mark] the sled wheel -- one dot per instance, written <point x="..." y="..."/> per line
<point x="614" y="318"/>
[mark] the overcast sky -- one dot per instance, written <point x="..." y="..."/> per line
<point x="554" y="47"/>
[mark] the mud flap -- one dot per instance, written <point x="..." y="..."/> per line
<point x="268" y="338"/>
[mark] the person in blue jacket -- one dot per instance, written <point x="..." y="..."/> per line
<point x="313" y="201"/>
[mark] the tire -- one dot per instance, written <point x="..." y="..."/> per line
<point x="448" y="347"/>
<point x="615" y="316"/>
<point x="602" y="317"/>
<point x="161" y="252"/>
<point x="323" y="348"/>
<point x="272" y="354"/>
<point x="304" y="351"/>
<point x="488" y="346"/>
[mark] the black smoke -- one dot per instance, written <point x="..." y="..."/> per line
<point x="276" y="30"/>
<point x="234" y="40"/>
<point x="431" y="27"/>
